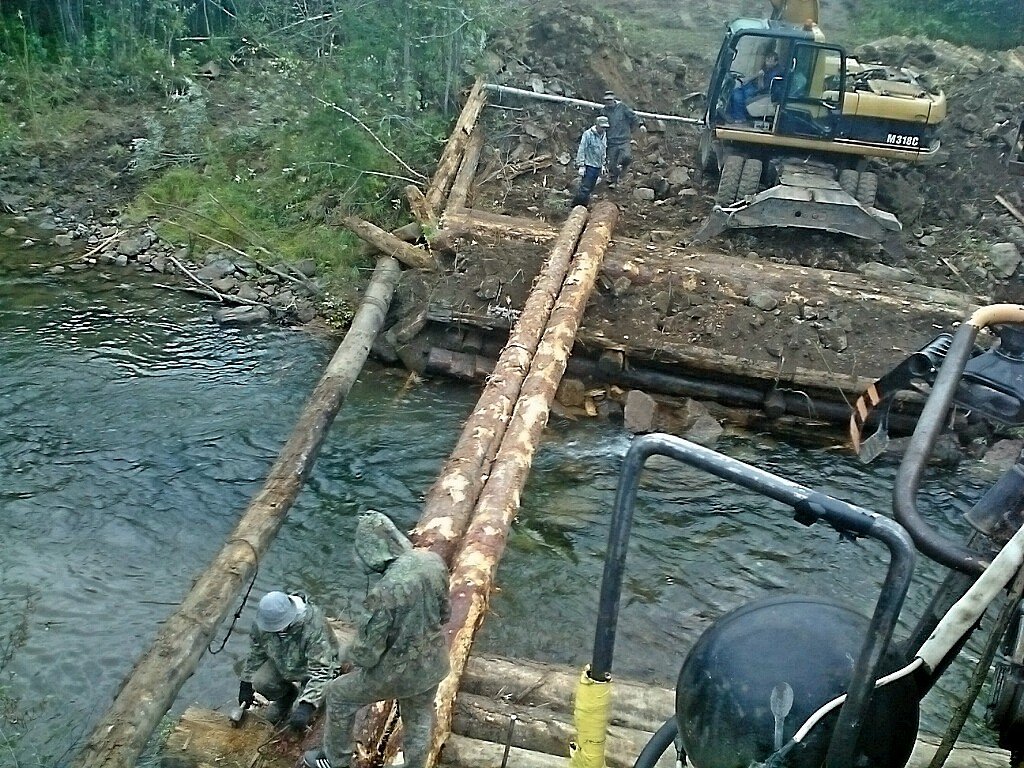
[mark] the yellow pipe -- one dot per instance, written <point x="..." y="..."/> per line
<point x="590" y="715"/>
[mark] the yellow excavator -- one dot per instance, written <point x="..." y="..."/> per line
<point x="791" y="121"/>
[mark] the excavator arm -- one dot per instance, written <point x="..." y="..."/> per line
<point x="797" y="12"/>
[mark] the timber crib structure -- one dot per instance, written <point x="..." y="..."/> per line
<point x="490" y="711"/>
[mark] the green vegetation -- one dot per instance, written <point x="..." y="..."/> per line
<point x="318" y="105"/>
<point x="991" y="24"/>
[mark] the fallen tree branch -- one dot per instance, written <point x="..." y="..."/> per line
<point x="223" y="297"/>
<point x="312" y="288"/>
<point x="363" y="125"/>
<point x="209" y="290"/>
<point x="1011" y="208"/>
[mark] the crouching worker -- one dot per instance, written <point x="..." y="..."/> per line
<point x="293" y="655"/>
<point x="399" y="650"/>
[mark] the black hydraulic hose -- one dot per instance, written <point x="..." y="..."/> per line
<point x="810" y="507"/>
<point x="655" y="748"/>
<point x="908" y="478"/>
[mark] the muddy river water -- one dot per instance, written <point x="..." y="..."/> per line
<point x="134" y="431"/>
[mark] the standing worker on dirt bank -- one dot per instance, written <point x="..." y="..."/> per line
<point x="293" y="655"/>
<point x="622" y="121"/>
<point x="399" y="651"/>
<point x="590" y="158"/>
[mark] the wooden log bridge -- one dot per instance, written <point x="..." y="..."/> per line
<point x="492" y="691"/>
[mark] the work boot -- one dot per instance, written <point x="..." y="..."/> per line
<point x="279" y="709"/>
<point x="317" y="758"/>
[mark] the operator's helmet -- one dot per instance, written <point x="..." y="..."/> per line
<point x="276" y="611"/>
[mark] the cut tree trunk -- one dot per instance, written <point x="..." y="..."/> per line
<point x="448" y="165"/>
<point x="150" y="689"/>
<point x="420" y="209"/>
<point x="387" y="243"/>
<point x="454" y="494"/>
<point x="484" y="542"/>
<point x="407" y="233"/>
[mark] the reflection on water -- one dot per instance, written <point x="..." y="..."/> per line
<point x="135" y="431"/>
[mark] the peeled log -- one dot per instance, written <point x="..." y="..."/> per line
<point x="448" y="165"/>
<point x="452" y="497"/>
<point x="544" y="730"/>
<point x="484" y="542"/>
<point x="420" y="210"/>
<point x="467" y="172"/>
<point x="151" y="687"/>
<point x="387" y="243"/>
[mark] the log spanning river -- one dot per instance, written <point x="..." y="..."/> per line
<point x="135" y="430"/>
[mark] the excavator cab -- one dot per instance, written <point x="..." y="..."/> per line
<point x="792" y="152"/>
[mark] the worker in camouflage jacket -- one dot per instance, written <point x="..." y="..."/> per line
<point x="399" y="651"/>
<point x="292" y="656"/>
<point x="622" y="121"/>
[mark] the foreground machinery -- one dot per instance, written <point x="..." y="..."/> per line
<point x="804" y="681"/>
<point x="795" y="155"/>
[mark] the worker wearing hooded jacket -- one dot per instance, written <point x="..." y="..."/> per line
<point x="292" y="656"/>
<point x="399" y="651"/>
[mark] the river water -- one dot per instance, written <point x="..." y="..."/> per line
<point x="135" y="430"/>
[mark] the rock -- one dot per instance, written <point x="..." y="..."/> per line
<point x="224" y="285"/>
<point x="268" y="279"/>
<point x="536" y="84"/>
<point x="833" y="338"/>
<point x="283" y="300"/>
<point x="883" y="272"/>
<point x="56" y="270"/>
<point x="145" y="258"/>
<point x="27" y="243"/>
<point x="661" y="302"/>
<point x="216" y="270"/>
<point x="621" y="286"/>
<point x="572" y="393"/>
<point x="306" y="267"/>
<point x="241" y="315"/>
<point x="971" y="123"/>
<point x="900" y="196"/>
<point x="705" y="431"/>
<point x="248" y="292"/>
<point x="305" y="312"/>
<point x="679" y="177"/>
<point x="10" y="232"/>
<point x="133" y="246"/>
<point x="159" y="264"/>
<point x="489" y="288"/>
<point x="1003" y="454"/>
<point x="927" y="241"/>
<point x="1016" y="236"/>
<point x="640" y="412"/>
<point x="63" y="241"/>
<point x="1005" y="258"/>
<point x="120" y="260"/>
<point x="644" y="193"/>
<point x="763" y="300"/>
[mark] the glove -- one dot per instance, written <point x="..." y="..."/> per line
<point x="246" y="694"/>
<point x="301" y="716"/>
<point x="579" y="171"/>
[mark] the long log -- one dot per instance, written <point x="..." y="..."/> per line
<point x="532" y="683"/>
<point x="504" y="90"/>
<point x="508" y="226"/>
<point x="452" y="497"/>
<point x="484" y="542"/>
<point x="420" y="209"/>
<point x="150" y="689"/>
<point x="448" y="165"/>
<point x="407" y="233"/>
<point x="467" y="171"/>
<point x="543" y="729"/>
<point x="387" y="243"/>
